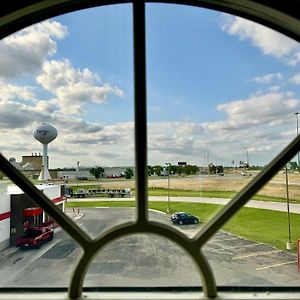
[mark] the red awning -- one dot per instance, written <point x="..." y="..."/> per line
<point x="32" y="211"/>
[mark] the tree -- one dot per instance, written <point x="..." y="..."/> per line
<point x="179" y="170"/>
<point x="220" y="169"/>
<point x="128" y="173"/>
<point x="293" y="165"/>
<point x="212" y="169"/>
<point x="157" y="170"/>
<point x="190" y="169"/>
<point x="97" y="172"/>
<point x="150" y="171"/>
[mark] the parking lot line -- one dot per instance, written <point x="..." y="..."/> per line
<point x="231" y="239"/>
<point x="277" y="265"/>
<point x="255" y="254"/>
<point x="241" y="246"/>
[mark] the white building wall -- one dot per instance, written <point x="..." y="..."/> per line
<point x="51" y="191"/>
<point x="74" y="174"/>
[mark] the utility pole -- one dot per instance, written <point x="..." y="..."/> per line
<point x="289" y="243"/>
<point x="169" y="166"/>
<point x="296" y="114"/>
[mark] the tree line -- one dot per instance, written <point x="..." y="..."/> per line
<point x="157" y="170"/>
<point x="173" y="169"/>
<point x="98" y="172"/>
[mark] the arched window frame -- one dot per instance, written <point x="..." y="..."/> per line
<point x="279" y="17"/>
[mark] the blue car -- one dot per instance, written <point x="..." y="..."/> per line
<point x="184" y="218"/>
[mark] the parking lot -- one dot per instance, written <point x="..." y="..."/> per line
<point x="147" y="260"/>
<point x="242" y="262"/>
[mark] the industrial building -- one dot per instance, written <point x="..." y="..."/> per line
<point x="18" y="211"/>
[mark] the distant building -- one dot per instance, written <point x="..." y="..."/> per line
<point x="109" y="172"/>
<point x="16" y="164"/>
<point x="36" y="161"/>
<point x="114" y="172"/>
<point x="73" y="174"/>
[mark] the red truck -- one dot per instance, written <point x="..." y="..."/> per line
<point x="35" y="237"/>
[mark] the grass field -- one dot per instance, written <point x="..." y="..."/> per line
<point x="210" y="186"/>
<point x="259" y="225"/>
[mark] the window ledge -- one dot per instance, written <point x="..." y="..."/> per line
<point x="152" y="296"/>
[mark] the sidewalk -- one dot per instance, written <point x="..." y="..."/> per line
<point x="73" y="213"/>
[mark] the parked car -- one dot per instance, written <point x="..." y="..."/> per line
<point x="184" y="218"/>
<point x="35" y="237"/>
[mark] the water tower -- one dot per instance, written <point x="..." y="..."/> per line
<point x="45" y="134"/>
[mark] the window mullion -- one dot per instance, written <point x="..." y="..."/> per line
<point x="139" y="45"/>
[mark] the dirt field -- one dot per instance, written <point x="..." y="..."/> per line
<point x="275" y="188"/>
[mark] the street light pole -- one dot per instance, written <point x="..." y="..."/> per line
<point x="296" y="114"/>
<point x="247" y="155"/>
<point x="289" y="242"/>
<point x="169" y="166"/>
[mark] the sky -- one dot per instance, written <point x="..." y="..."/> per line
<point x="219" y="88"/>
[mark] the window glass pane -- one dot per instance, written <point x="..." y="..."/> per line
<point x="223" y="96"/>
<point x="66" y="124"/>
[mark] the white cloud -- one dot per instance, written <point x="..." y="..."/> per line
<point x="268" y="78"/>
<point x="73" y="88"/>
<point x="22" y="108"/>
<point x="9" y="91"/>
<point x="113" y="144"/>
<point x="24" y="52"/>
<point x="175" y="140"/>
<point x="269" y="109"/>
<point x="295" y="79"/>
<point x="267" y="40"/>
<point x="77" y="139"/>
<point x="274" y="88"/>
<point x="259" y="121"/>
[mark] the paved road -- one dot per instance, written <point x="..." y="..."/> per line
<point x="278" y="206"/>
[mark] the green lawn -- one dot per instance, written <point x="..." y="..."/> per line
<point x="259" y="225"/>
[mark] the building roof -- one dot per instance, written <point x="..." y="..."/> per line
<point x="15" y="190"/>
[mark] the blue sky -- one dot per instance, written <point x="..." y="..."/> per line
<point x="217" y="85"/>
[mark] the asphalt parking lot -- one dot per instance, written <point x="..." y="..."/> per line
<point x="242" y="262"/>
<point x="147" y="260"/>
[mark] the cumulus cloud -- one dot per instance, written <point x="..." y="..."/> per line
<point x="261" y="122"/>
<point x="9" y="91"/>
<point x="267" y="78"/>
<point x="269" y="109"/>
<point x="14" y="114"/>
<point x="267" y="40"/>
<point x="77" y="139"/>
<point x="24" y="52"/>
<point x="73" y="88"/>
<point x="22" y="108"/>
<point x="295" y="79"/>
<point x="175" y="138"/>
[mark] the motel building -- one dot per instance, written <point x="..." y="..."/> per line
<point x="18" y="212"/>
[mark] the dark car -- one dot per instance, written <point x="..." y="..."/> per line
<point x="184" y="218"/>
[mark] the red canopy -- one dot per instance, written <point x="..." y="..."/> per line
<point x="32" y="211"/>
